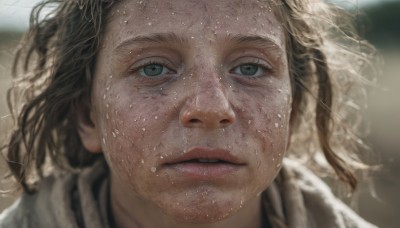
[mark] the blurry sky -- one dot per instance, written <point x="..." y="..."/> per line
<point x="14" y="14"/>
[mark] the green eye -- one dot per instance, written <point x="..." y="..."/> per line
<point x="153" y="70"/>
<point x="248" y="70"/>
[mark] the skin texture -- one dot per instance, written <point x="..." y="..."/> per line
<point x="201" y="100"/>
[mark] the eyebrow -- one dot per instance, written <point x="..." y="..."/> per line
<point x="154" y="38"/>
<point x="160" y="38"/>
<point x="255" y="39"/>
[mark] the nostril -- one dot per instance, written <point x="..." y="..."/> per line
<point x="194" y="121"/>
<point x="225" y="121"/>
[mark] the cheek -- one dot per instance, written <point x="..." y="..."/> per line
<point x="266" y="116"/>
<point x="131" y="126"/>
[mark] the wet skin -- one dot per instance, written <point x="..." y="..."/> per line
<point x="171" y="80"/>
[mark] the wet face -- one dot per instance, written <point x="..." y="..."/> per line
<point x="191" y="104"/>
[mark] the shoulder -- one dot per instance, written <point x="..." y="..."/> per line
<point x="63" y="199"/>
<point x="26" y="211"/>
<point x="320" y="203"/>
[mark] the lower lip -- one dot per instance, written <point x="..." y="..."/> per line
<point x="203" y="171"/>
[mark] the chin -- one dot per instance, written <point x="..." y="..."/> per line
<point x="202" y="211"/>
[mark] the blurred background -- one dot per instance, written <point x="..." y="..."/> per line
<point x="379" y="22"/>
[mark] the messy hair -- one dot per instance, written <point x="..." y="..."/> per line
<point x="57" y="57"/>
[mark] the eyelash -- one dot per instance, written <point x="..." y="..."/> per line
<point x="148" y="79"/>
<point x="265" y="67"/>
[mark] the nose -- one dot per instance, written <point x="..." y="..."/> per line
<point x="207" y="107"/>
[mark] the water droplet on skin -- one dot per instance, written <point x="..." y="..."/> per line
<point x="108" y="88"/>
<point x="149" y="23"/>
<point x="279" y="116"/>
<point x="153" y="169"/>
<point x="276" y="125"/>
<point x="104" y="141"/>
<point x="143" y="129"/>
<point x="278" y="165"/>
<point x="156" y="117"/>
<point x="104" y="96"/>
<point x="126" y="22"/>
<point x="111" y="76"/>
<point x="249" y="122"/>
<point x="113" y="134"/>
<point x="279" y="90"/>
<point x="107" y="116"/>
<point x="130" y="106"/>
<point x="142" y="161"/>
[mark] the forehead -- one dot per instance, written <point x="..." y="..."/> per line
<point x="190" y="18"/>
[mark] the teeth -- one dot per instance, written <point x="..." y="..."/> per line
<point x="207" y="160"/>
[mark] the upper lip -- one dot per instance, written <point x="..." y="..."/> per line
<point x="206" y="153"/>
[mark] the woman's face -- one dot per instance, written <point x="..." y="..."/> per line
<point x="191" y="103"/>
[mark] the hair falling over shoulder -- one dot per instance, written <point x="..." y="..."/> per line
<point x="54" y="65"/>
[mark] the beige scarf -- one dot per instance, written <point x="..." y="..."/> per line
<point x="296" y="199"/>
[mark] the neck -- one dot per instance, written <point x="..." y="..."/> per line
<point x="131" y="211"/>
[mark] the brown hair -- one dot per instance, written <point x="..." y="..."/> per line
<point x="58" y="54"/>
